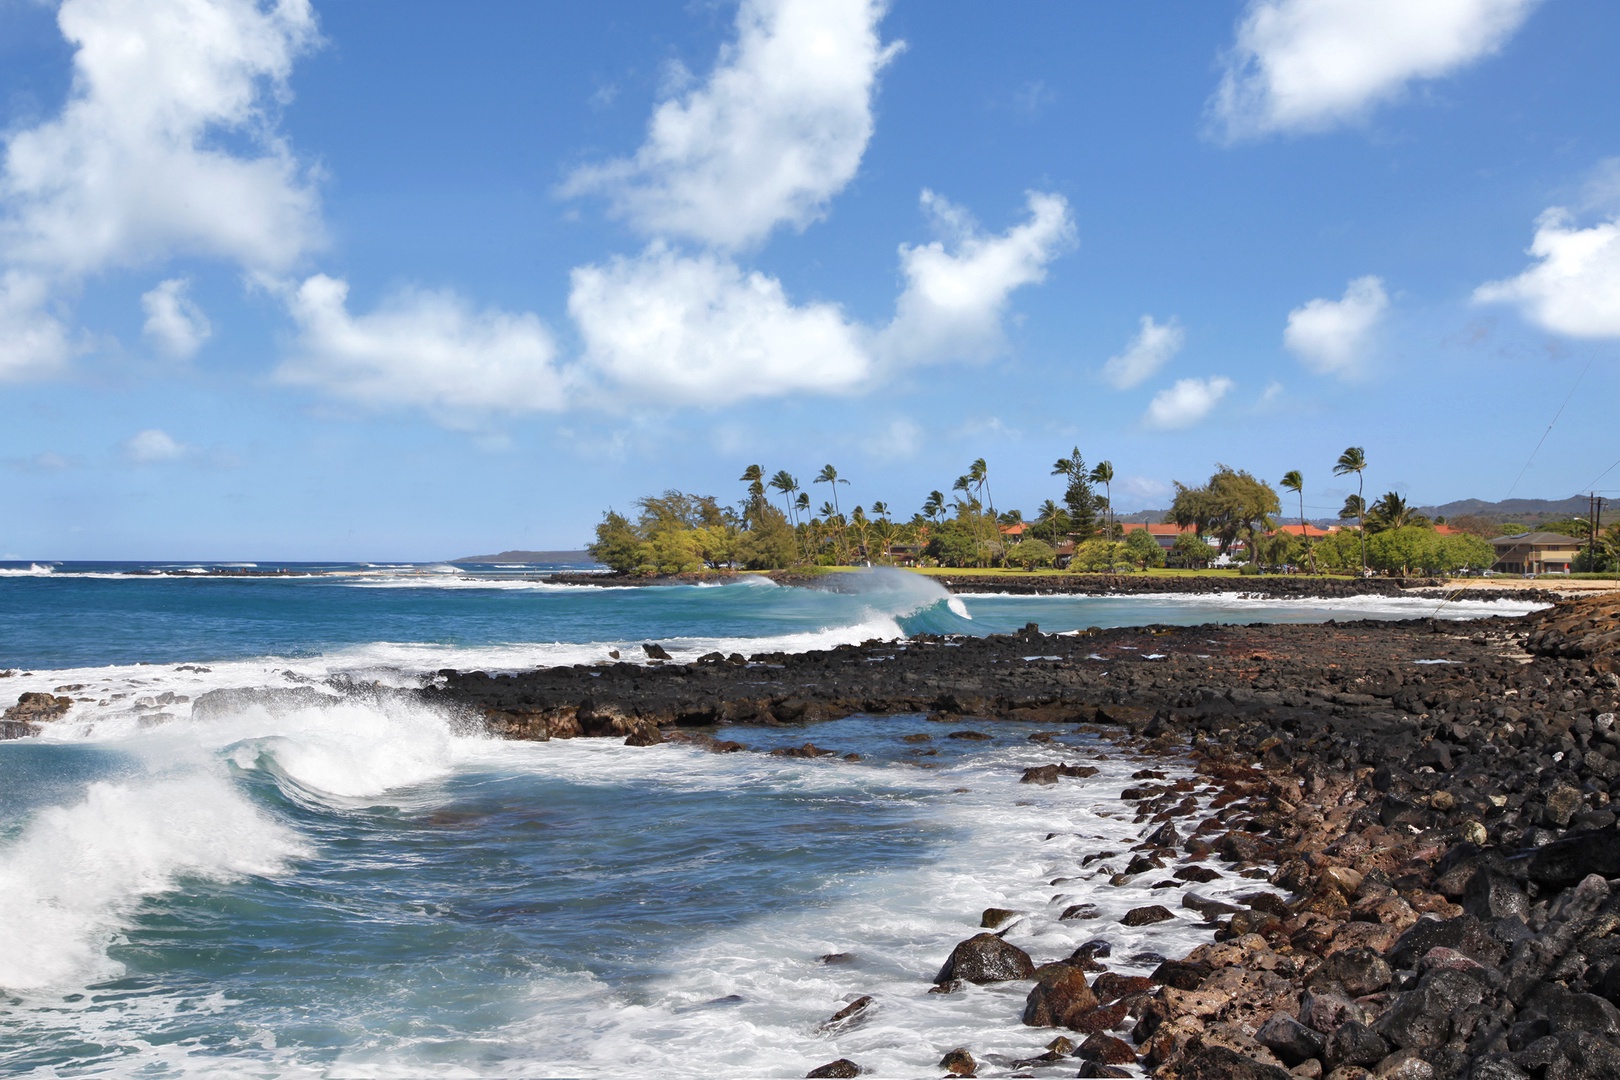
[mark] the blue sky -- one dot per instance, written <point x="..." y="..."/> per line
<point x="303" y="280"/>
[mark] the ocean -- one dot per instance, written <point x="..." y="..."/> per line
<point x="359" y="888"/>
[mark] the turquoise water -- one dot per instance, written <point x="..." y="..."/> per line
<point x="354" y="888"/>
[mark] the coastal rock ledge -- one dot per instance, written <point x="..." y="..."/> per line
<point x="1432" y="804"/>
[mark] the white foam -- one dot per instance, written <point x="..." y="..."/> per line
<point x="76" y="873"/>
<point x="32" y="570"/>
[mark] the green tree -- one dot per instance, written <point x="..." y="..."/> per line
<point x="1391" y="512"/>
<point x="1354" y="460"/>
<point x="1078" y="497"/>
<point x="1232" y="506"/>
<point x="1102" y="556"/>
<point x="829" y="476"/>
<point x="755" y="476"/>
<point x="618" y="545"/>
<point x="1190" y="550"/>
<point x="952" y="543"/>
<point x="1144" y="548"/>
<point x="1051" y="523"/>
<point x="770" y="544"/>
<point x="1031" y="553"/>
<point x="1293" y="481"/>
<point x="1104" y="474"/>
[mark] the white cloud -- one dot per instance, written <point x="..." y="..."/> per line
<point x="128" y="173"/>
<point x="1306" y="65"/>
<point x="956" y="292"/>
<point x="1331" y="336"/>
<point x="699" y="330"/>
<point x="1142" y="490"/>
<point x="152" y="447"/>
<point x="901" y="439"/>
<point x="1152" y="347"/>
<point x="33" y="343"/>
<point x="173" y="323"/>
<point x="422" y="348"/>
<point x="1187" y="402"/>
<point x="1575" y="287"/>
<point x="777" y="129"/>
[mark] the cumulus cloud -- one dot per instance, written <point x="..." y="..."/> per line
<point x="957" y="289"/>
<point x="777" y="129"/>
<point x="1331" y="336"/>
<point x="1143" y="490"/>
<point x="421" y="348"/>
<point x="1187" y="402"/>
<point x="1574" y="288"/>
<point x="1306" y="65"/>
<point x="129" y="172"/>
<point x="33" y="343"/>
<point x="699" y="330"/>
<point x="1155" y="343"/>
<point x="153" y="447"/>
<point x="173" y="323"/>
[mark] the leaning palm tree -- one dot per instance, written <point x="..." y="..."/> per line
<point x="755" y="475"/>
<point x="1104" y="474"/>
<point x="784" y="482"/>
<point x="829" y="475"/>
<point x="1354" y="460"/>
<point x="1293" y="481"/>
<point x="979" y="473"/>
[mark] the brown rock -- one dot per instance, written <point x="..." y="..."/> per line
<point x="1107" y="1049"/>
<point x="1059" y="994"/>
<point x="841" y="1068"/>
<point x="959" y="1063"/>
<point x="1146" y="916"/>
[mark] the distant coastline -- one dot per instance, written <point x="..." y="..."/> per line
<point x="583" y="557"/>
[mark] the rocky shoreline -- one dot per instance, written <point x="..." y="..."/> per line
<point x="1430" y="807"/>
<point x="1266" y="586"/>
<point x="1433" y="800"/>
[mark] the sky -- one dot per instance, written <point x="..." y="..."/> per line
<point x="297" y="280"/>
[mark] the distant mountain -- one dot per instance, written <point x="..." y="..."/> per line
<point x="1145" y="517"/>
<point x="529" y="557"/>
<point x="1512" y="508"/>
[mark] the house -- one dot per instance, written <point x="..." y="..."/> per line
<point x="1535" y="553"/>
<point x="1164" y="534"/>
<point x="1450" y="530"/>
<point x="1310" y="532"/>
<point x="905" y="554"/>
<point x="1013" y="533"/>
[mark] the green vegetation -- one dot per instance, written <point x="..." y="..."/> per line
<point x="1227" y="519"/>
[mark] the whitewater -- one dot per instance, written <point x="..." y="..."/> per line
<point x="346" y="883"/>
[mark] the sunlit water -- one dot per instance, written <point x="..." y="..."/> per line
<point x="355" y="888"/>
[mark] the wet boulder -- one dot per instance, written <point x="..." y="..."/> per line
<point x="1059" y="995"/>
<point x="842" y="1068"/>
<point x="1466" y="934"/>
<point x="1354" y="1043"/>
<point x="985" y="958"/>
<point x="959" y="1062"/>
<point x="1106" y="1049"/>
<point x="1146" y="916"/>
<point x="1569" y="860"/>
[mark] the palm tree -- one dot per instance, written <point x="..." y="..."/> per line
<point x="829" y="475"/>
<point x="1354" y="460"/>
<point x="755" y="476"/>
<point x="1392" y="512"/>
<point x="1293" y="481"/>
<point x="881" y="509"/>
<point x="1104" y="474"/>
<point x="979" y="473"/>
<point x="784" y="482"/>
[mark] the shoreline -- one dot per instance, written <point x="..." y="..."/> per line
<point x="1269" y="586"/>
<point x="1442" y="832"/>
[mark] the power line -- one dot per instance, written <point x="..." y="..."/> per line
<point x="1550" y="426"/>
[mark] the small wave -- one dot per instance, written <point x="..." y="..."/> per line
<point x="31" y="570"/>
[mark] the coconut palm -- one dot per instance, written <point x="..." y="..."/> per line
<point x="1293" y="481"/>
<point x="1391" y="512"/>
<point x="755" y="475"/>
<point x="1354" y="460"/>
<point x="979" y="473"/>
<point x="881" y="509"/>
<point x="1104" y="474"/>
<point x="829" y="475"/>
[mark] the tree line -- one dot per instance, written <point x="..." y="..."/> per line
<point x="776" y="525"/>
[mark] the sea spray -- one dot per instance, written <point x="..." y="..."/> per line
<point x="76" y="873"/>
